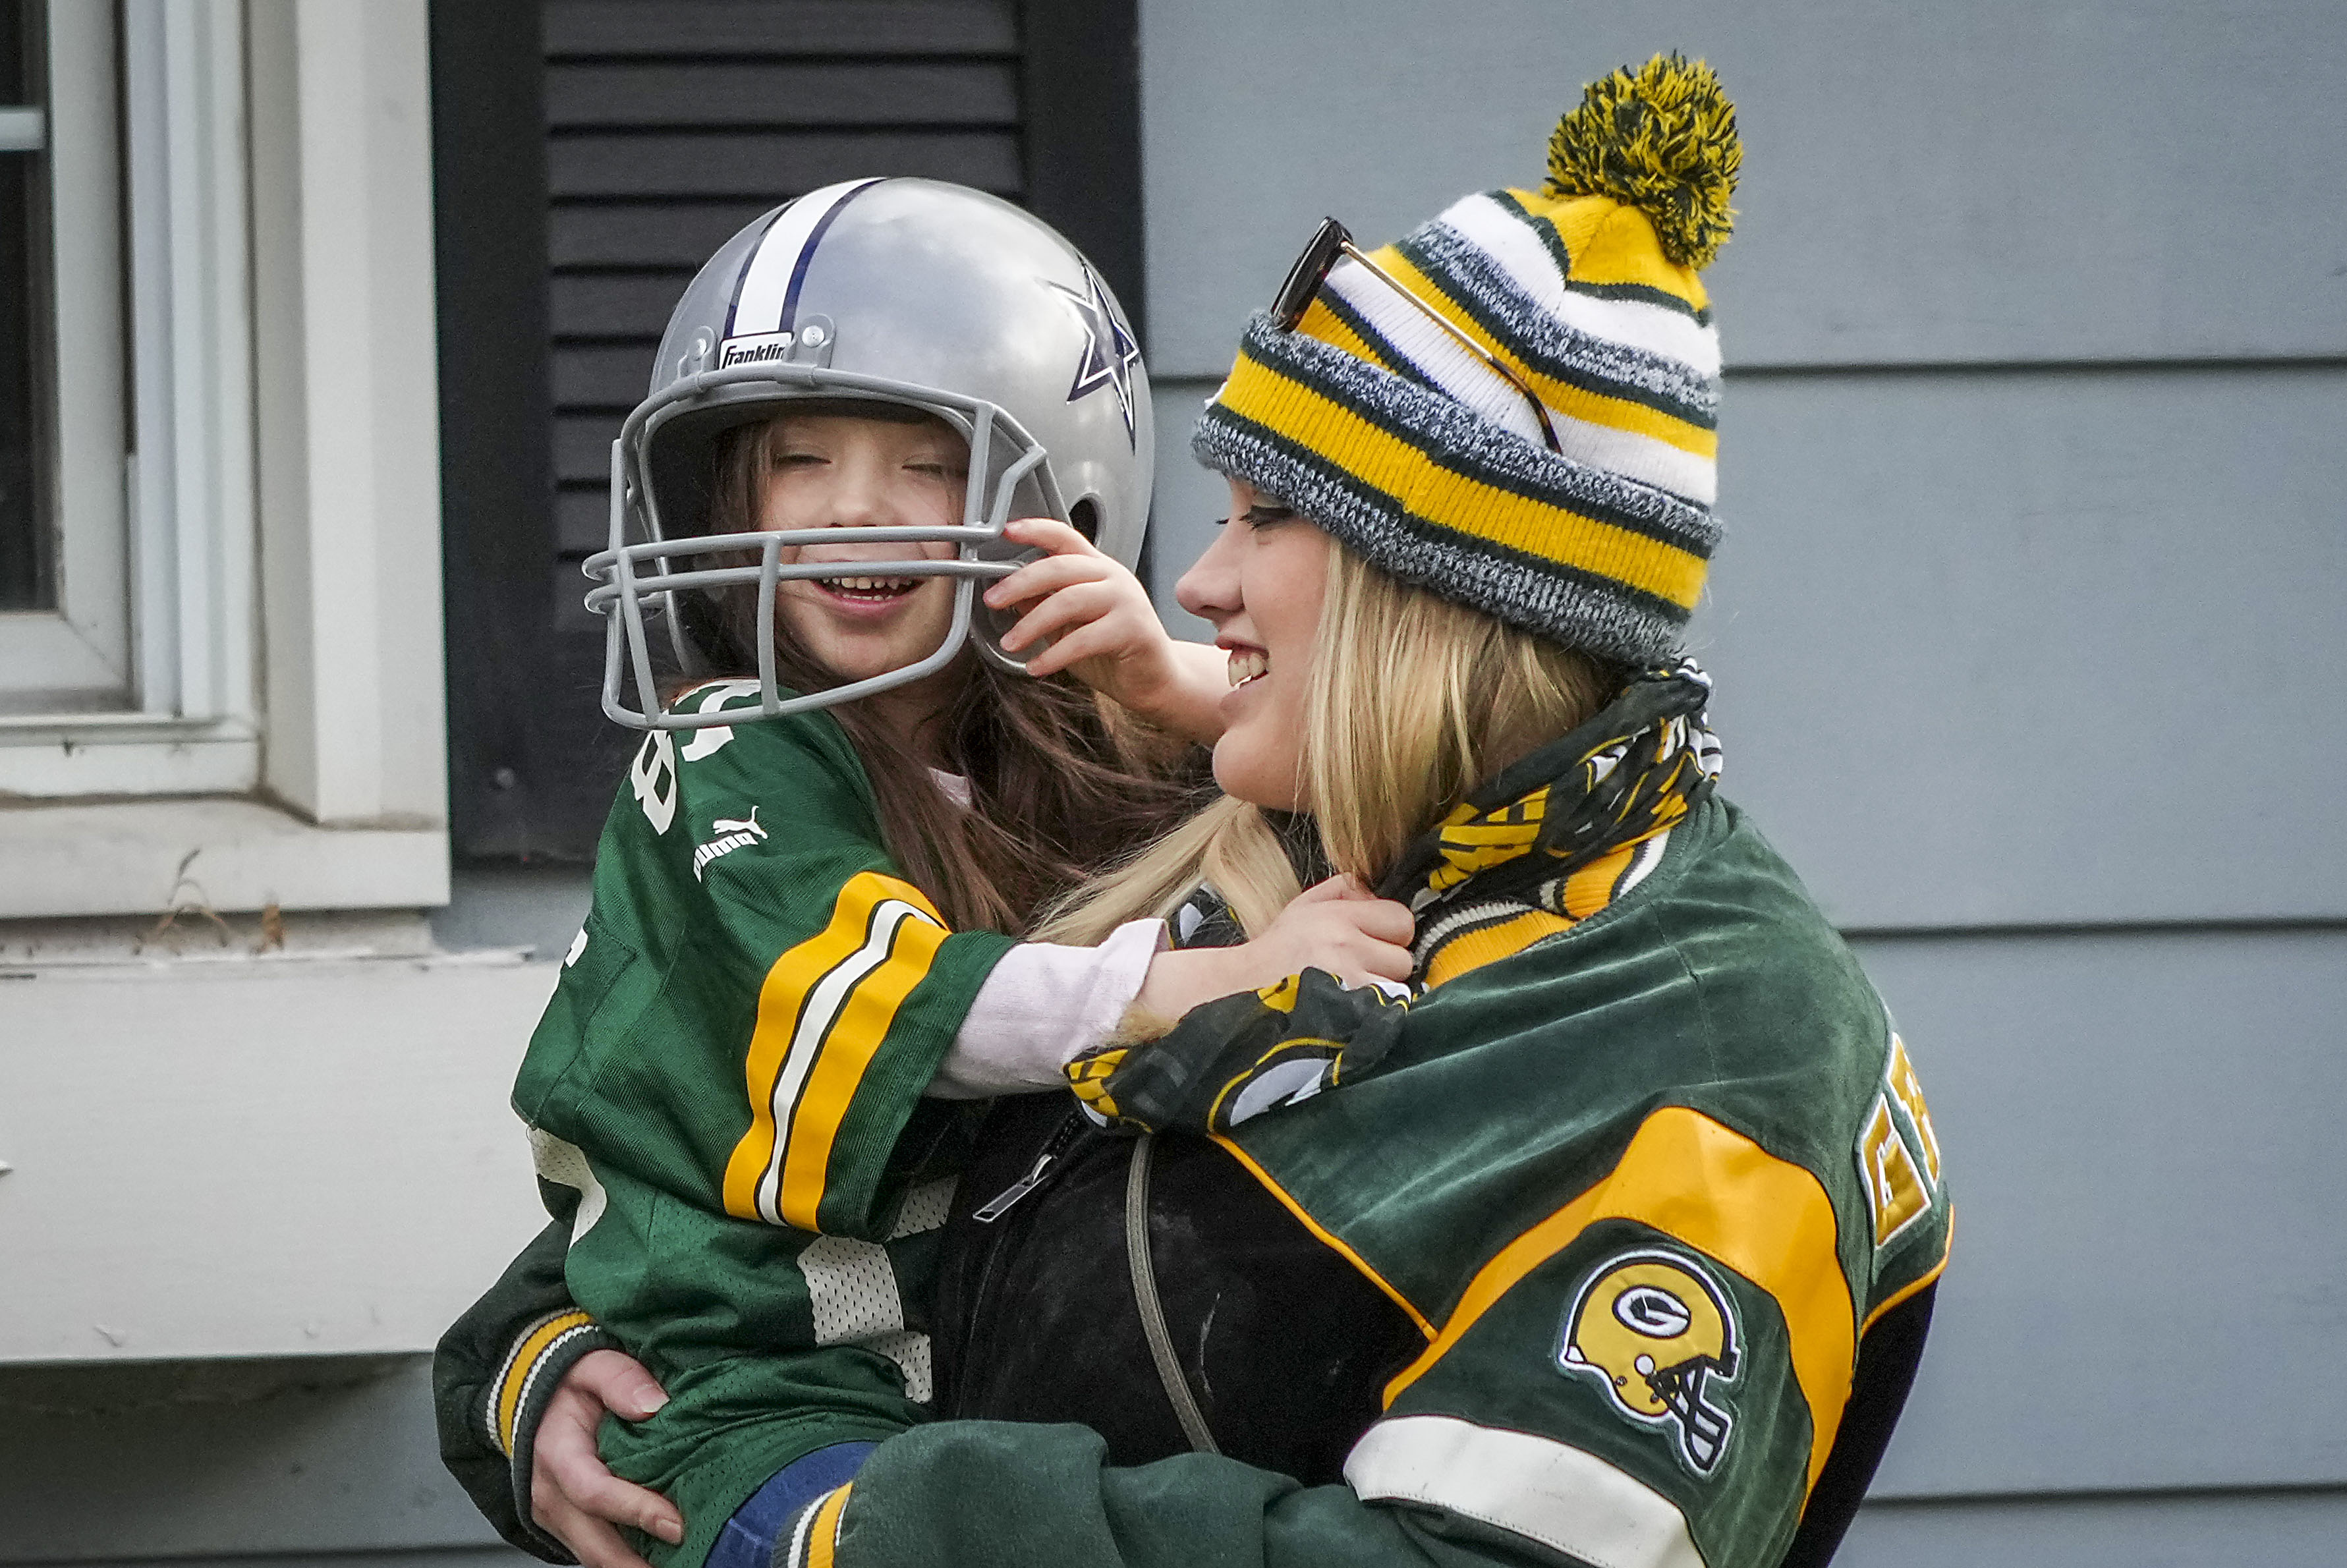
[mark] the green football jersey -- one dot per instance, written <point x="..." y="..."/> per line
<point x="725" y="1097"/>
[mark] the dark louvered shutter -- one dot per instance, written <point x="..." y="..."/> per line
<point x="669" y="124"/>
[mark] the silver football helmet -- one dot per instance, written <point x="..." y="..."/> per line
<point x="901" y="290"/>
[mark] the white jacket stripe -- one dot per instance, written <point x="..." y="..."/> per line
<point x="1567" y="1499"/>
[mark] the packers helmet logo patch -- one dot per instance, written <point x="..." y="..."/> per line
<point x="1660" y="1334"/>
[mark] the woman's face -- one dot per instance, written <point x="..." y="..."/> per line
<point x="1261" y="585"/>
<point x="832" y="471"/>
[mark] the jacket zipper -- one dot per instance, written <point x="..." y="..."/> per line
<point x="995" y="1207"/>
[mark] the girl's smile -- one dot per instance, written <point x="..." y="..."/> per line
<point x="835" y="470"/>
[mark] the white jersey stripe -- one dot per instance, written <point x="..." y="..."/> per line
<point x="823" y="1007"/>
<point x="758" y="304"/>
<point x="1567" y="1499"/>
<point x="1507" y="239"/>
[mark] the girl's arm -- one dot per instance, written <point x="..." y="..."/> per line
<point x="1104" y="629"/>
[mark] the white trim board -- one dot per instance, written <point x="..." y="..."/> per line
<point x="304" y="1159"/>
<point x="124" y="859"/>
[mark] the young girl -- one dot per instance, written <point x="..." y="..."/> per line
<point x="801" y="953"/>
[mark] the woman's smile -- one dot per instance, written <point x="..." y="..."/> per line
<point x="1248" y="664"/>
<point x="1261" y="584"/>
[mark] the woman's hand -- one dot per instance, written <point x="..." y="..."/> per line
<point x="1105" y="629"/>
<point x="573" y="1495"/>
<point x="1339" y="926"/>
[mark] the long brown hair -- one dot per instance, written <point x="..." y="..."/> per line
<point x="1411" y="701"/>
<point x="1061" y="782"/>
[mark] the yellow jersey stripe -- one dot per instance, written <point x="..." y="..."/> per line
<point x="1716" y="1191"/>
<point x="1575" y="402"/>
<point x="1327" y="1237"/>
<point x="1492" y="943"/>
<point x="807" y="989"/>
<point x="513" y="1381"/>
<point x="823" y="1532"/>
<point x="1452" y="500"/>
<point x="855" y="1040"/>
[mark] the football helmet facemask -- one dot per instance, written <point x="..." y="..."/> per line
<point x="897" y="290"/>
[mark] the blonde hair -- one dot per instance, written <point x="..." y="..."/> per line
<point x="1411" y="701"/>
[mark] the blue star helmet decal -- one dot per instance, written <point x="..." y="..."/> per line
<point x="1110" y="353"/>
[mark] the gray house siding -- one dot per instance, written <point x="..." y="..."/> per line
<point x="2027" y="636"/>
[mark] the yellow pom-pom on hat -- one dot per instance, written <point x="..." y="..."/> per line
<point x="1661" y="139"/>
<point x="1589" y="518"/>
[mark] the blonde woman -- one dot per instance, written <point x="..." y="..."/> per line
<point x="1610" y="1237"/>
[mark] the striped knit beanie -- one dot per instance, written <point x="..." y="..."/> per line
<point x="1380" y="428"/>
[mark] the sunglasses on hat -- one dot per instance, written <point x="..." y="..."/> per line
<point x="1332" y="240"/>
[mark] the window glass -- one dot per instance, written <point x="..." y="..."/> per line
<point x="27" y="579"/>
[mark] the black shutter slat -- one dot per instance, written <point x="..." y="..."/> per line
<point x="782" y="93"/>
<point x="615" y="304"/>
<point x="582" y="447"/>
<point x="582" y="523"/>
<point x="652" y="233"/>
<point x="568" y="605"/>
<point x="690" y="29"/>
<point x="777" y="165"/>
<point x="612" y="376"/>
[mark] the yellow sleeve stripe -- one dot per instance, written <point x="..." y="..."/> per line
<point x="822" y="1535"/>
<point x="1326" y="1238"/>
<point x="823" y="1012"/>
<point x="520" y="1369"/>
<point x="1453" y="500"/>
<point x="1718" y="1192"/>
<point x="831" y="1087"/>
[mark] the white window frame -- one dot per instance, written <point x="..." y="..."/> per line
<point x="275" y="698"/>
<point x="77" y="655"/>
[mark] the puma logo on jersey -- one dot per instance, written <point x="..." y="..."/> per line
<point x="733" y="833"/>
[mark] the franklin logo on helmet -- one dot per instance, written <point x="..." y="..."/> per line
<point x="1658" y="1333"/>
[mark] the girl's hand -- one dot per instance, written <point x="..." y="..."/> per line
<point x="1339" y="926"/>
<point x="573" y="1495"/>
<point x="1104" y="630"/>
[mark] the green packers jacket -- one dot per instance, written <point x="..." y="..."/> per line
<point x="724" y="1099"/>
<point x="1644" y="1163"/>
